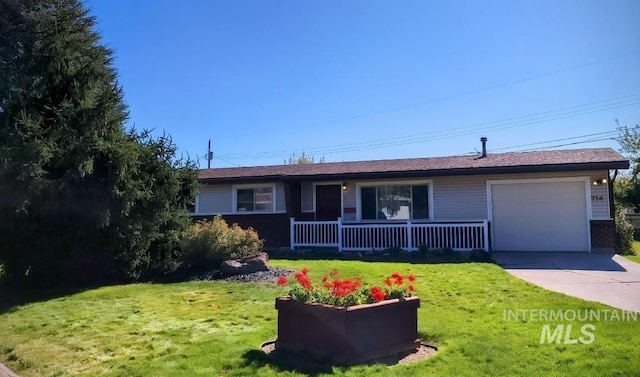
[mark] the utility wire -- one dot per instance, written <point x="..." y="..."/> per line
<point x="563" y="113"/>
<point x="475" y="91"/>
<point x="610" y="133"/>
<point x="567" y="144"/>
<point x="443" y="131"/>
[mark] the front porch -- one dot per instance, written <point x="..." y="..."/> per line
<point x="407" y="235"/>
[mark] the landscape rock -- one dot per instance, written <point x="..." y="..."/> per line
<point x="247" y="265"/>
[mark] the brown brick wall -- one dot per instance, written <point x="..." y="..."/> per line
<point x="603" y="234"/>
<point x="272" y="227"/>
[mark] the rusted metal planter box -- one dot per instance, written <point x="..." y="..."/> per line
<point x="347" y="335"/>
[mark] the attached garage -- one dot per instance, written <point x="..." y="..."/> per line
<point x="539" y="215"/>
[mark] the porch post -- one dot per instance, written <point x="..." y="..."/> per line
<point x="409" y="236"/>
<point x="292" y="232"/>
<point x="339" y="234"/>
<point x="485" y="228"/>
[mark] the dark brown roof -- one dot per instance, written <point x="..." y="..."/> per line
<point x="541" y="161"/>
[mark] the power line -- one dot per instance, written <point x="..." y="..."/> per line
<point x="567" y="144"/>
<point x="519" y="121"/>
<point x="456" y="130"/>
<point x="555" y="140"/>
<point x="475" y="91"/>
<point x="228" y="162"/>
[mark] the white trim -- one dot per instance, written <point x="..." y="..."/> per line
<point x="197" y="204"/>
<point x="412" y="182"/>
<point x="394" y="182"/>
<point x="237" y="213"/>
<point x="234" y="197"/>
<point x="587" y="188"/>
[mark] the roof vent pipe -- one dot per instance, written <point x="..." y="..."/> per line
<point x="484" y="146"/>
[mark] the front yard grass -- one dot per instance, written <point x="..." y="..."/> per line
<point x="216" y="328"/>
<point x="636" y="249"/>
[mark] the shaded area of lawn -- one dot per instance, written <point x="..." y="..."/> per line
<point x="216" y="328"/>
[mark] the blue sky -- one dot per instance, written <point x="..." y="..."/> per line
<point x="359" y="80"/>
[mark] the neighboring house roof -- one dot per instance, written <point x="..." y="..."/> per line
<point x="501" y="163"/>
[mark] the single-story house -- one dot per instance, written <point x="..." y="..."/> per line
<point x="558" y="200"/>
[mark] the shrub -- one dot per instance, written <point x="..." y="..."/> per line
<point x="479" y="255"/>
<point x="393" y="251"/>
<point x="423" y="251"/>
<point x="624" y="235"/>
<point x="206" y="244"/>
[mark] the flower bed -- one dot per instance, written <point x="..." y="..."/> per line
<point x="343" y="323"/>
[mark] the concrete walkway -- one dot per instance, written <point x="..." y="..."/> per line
<point x="6" y="372"/>
<point x="602" y="277"/>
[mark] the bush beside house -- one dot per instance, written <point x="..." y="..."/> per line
<point x="207" y="244"/>
<point x="624" y="235"/>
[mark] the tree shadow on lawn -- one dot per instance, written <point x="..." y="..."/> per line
<point x="12" y="298"/>
<point x="283" y="362"/>
<point x="432" y="257"/>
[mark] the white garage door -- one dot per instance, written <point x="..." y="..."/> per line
<point x="540" y="216"/>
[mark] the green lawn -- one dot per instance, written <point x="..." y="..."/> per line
<point x="636" y="249"/>
<point x="216" y="328"/>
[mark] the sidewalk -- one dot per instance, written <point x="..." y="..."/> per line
<point x="607" y="278"/>
<point x="6" y="372"/>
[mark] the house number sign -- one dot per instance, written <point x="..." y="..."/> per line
<point x="596" y="198"/>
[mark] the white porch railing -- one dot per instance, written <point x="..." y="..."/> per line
<point x="408" y="236"/>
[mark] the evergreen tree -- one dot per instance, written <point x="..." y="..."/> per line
<point x="81" y="199"/>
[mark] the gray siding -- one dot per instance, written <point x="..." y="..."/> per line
<point x="306" y="196"/>
<point x="454" y="198"/>
<point x="281" y="203"/>
<point x="218" y="199"/>
<point x="460" y="198"/>
<point x="349" y="195"/>
<point x="349" y="201"/>
<point x="215" y="199"/>
<point x="600" y="207"/>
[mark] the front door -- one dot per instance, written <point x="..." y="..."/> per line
<point x="328" y="202"/>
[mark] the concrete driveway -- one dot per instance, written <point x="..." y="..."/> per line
<point x="602" y="277"/>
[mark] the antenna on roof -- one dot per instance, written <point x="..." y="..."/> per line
<point x="209" y="155"/>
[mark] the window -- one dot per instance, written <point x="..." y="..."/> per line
<point x="255" y="199"/>
<point x="400" y="202"/>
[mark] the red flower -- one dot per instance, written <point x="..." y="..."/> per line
<point x="377" y="294"/>
<point x="346" y="291"/>
<point x="304" y="280"/>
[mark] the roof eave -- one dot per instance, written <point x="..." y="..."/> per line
<point x="431" y="173"/>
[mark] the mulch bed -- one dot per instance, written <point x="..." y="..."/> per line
<point x="423" y="352"/>
<point x="261" y="276"/>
